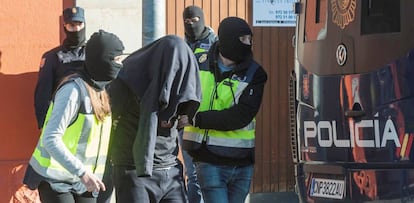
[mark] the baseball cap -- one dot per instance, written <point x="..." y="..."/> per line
<point x="73" y="14"/>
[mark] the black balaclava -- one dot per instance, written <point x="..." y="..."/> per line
<point x="74" y="39"/>
<point x="194" y="31"/>
<point x="100" y="67"/>
<point x="230" y="46"/>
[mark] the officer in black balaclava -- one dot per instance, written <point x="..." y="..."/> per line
<point x="232" y="43"/>
<point x="102" y="63"/>
<point x="199" y="38"/>
<point x="60" y="61"/>
<point x="194" y="25"/>
<point x="237" y="82"/>
<point x="81" y="101"/>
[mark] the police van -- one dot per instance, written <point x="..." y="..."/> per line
<point x="352" y="101"/>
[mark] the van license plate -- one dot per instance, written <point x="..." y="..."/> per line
<point x="327" y="188"/>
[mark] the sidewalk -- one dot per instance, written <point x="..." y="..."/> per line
<point x="272" y="197"/>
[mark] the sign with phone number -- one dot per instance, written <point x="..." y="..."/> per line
<point x="327" y="188"/>
<point x="274" y="13"/>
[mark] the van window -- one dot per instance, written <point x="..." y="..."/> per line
<point x="380" y="16"/>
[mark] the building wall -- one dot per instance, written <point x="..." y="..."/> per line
<point x="272" y="47"/>
<point x="123" y="18"/>
<point x="28" y="28"/>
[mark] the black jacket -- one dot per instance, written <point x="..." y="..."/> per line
<point x="55" y="65"/>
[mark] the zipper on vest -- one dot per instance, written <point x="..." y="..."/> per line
<point x="230" y="84"/>
<point x="213" y="97"/>
<point x="99" y="149"/>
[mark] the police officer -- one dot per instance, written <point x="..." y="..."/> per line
<point x="200" y="38"/>
<point x="221" y="136"/>
<point x="60" y="61"/>
<point x="197" y="35"/>
<point x="68" y="162"/>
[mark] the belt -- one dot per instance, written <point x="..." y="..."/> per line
<point x="162" y="169"/>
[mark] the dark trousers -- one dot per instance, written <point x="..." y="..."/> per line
<point x="105" y="196"/>
<point x="164" y="186"/>
<point x="48" y="195"/>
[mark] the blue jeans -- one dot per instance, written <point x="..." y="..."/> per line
<point x="193" y="188"/>
<point x="224" y="184"/>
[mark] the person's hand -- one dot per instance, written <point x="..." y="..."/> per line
<point x="92" y="183"/>
<point x="183" y="121"/>
<point x="166" y="124"/>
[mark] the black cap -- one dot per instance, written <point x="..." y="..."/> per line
<point x="73" y="14"/>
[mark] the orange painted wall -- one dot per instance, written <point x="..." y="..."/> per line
<point x="27" y="29"/>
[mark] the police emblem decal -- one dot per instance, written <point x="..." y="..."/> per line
<point x="74" y="10"/>
<point x="341" y="54"/>
<point x="202" y="58"/>
<point x="343" y="12"/>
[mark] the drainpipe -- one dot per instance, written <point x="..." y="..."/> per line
<point x="153" y="20"/>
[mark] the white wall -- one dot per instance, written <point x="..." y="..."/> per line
<point x="121" y="17"/>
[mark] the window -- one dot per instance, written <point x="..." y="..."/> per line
<point x="380" y="16"/>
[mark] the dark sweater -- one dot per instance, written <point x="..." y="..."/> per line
<point x="164" y="82"/>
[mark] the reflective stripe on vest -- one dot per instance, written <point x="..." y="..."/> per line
<point x="199" y="50"/>
<point x="86" y="138"/>
<point x="222" y="96"/>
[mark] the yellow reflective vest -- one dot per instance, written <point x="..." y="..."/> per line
<point x="86" y="138"/>
<point x="219" y="96"/>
